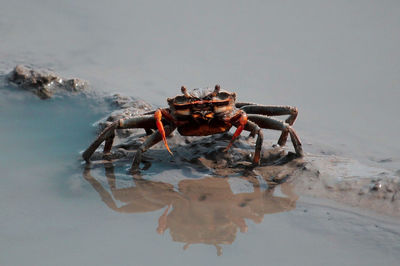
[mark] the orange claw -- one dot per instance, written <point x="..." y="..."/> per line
<point x="243" y="122"/>
<point x="256" y="157"/>
<point x="160" y="127"/>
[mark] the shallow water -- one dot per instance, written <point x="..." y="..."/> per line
<point x="337" y="61"/>
<point x="54" y="210"/>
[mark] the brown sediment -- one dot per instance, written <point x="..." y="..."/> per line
<point x="326" y="176"/>
<point x="200" y="205"/>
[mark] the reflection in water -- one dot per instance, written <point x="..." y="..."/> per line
<point x="201" y="211"/>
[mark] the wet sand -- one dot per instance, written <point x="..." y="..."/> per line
<point x="337" y="62"/>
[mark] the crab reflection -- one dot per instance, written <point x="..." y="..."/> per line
<point x="200" y="211"/>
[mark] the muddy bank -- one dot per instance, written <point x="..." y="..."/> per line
<point x="327" y="176"/>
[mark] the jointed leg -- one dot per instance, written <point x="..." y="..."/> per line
<point x="109" y="143"/>
<point x="273" y="111"/>
<point x="240" y="121"/>
<point x="158" y="116"/>
<point x="271" y="123"/>
<point x="241" y="104"/>
<point x="149" y="142"/>
<point x="255" y="129"/>
<point x="108" y="134"/>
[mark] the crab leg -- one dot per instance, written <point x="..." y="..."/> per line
<point x="160" y="127"/>
<point x="242" y="122"/>
<point x="271" y="123"/>
<point x="109" y="143"/>
<point x="273" y="110"/>
<point x="105" y="134"/>
<point x="241" y="104"/>
<point x="149" y="142"/>
<point x="255" y="129"/>
<point x="145" y="121"/>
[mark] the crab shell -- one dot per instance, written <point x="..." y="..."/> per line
<point x="202" y="104"/>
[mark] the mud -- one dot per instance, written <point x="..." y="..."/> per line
<point x="44" y="83"/>
<point x="324" y="176"/>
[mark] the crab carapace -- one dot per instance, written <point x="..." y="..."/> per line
<point x="203" y="112"/>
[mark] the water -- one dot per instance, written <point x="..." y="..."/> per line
<point x="51" y="212"/>
<point x="337" y="61"/>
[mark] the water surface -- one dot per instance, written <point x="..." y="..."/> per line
<point x="54" y="210"/>
<point x="337" y="61"/>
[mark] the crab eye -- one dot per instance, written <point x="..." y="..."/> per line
<point x="223" y="95"/>
<point x="180" y="99"/>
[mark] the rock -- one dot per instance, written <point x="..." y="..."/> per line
<point x="124" y="107"/>
<point x="44" y="83"/>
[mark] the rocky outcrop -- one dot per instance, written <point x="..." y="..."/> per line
<point x="44" y="83"/>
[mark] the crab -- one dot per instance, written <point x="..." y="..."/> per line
<point x="203" y="112"/>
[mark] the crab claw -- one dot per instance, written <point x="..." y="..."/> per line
<point x="243" y="122"/>
<point x="160" y="127"/>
